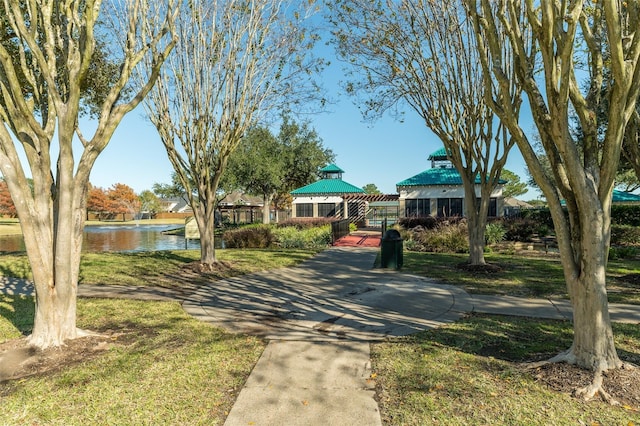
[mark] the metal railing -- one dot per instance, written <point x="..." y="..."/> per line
<point x="339" y="229"/>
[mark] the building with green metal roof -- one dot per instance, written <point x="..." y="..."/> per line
<point x="438" y="191"/>
<point x="327" y="197"/>
<point x="332" y="169"/>
<point x="328" y="187"/>
<point x="621" y="197"/>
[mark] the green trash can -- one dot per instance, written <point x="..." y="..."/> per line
<point x="391" y="246"/>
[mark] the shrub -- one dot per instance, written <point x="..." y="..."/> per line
<point x="405" y="234"/>
<point x="289" y="237"/>
<point x="446" y="238"/>
<point x="541" y="216"/>
<point x="412" y="245"/>
<point x="252" y="236"/>
<point x="311" y="238"/>
<point x="622" y="252"/>
<point x="625" y="235"/>
<point x="426" y="222"/>
<point x="494" y="233"/>
<point x="625" y="214"/>
<point x="306" y="222"/>
<point x="523" y="229"/>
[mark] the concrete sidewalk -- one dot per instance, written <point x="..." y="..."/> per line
<point x="559" y="309"/>
<point x="308" y="383"/>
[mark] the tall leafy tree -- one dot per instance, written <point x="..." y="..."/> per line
<point x="258" y="166"/>
<point x="631" y="145"/>
<point x="98" y="202"/>
<point x="304" y="156"/>
<point x="7" y="207"/>
<point x="549" y="39"/>
<point x="123" y="199"/>
<point x="235" y="62"/>
<point x="272" y="166"/>
<point x="169" y="190"/>
<point x="422" y="54"/>
<point x="149" y="202"/>
<point x="371" y="188"/>
<point x="627" y="180"/>
<point x="46" y="56"/>
<point x="513" y="187"/>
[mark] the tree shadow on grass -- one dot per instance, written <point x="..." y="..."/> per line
<point x="513" y="339"/>
<point x="19" y="311"/>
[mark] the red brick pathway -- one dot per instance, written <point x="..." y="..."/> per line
<point x="358" y="240"/>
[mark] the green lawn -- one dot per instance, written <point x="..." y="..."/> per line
<point x="160" y="367"/>
<point x="160" y="267"/>
<point x="525" y="276"/>
<point x="468" y="373"/>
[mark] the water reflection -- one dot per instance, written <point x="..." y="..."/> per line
<point x="117" y="238"/>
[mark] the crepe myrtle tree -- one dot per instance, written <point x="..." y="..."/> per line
<point x="46" y="54"/>
<point x="422" y="54"/>
<point x="554" y="43"/>
<point x="235" y="63"/>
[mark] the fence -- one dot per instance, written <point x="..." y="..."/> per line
<point x="339" y="229"/>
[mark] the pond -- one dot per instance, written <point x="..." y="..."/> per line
<point x="118" y="238"/>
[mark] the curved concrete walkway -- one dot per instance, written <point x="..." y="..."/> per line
<point x="334" y="296"/>
<point x="319" y="318"/>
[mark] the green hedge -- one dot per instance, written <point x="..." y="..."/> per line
<point x="252" y="236"/>
<point x="625" y="214"/>
<point x="621" y="214"/>
<point x="265" y="236"/>
<point x="625" y="235"/>
<point x="308" y="238"/>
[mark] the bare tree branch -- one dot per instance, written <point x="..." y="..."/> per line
<point x="55" y="45"/>
<point x="235" y="62"/>
<point x="423" y="54"/>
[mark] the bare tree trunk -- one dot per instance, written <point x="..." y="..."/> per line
<point x="593" y="344"/>
<point x="205" y="218"/>
<point x="266" y="209"/>
<point x="207" y="245"/>
<point x="55" y="313"/>
<point x="476" y="241"/>
<point x="56" y="271"/>
<point x="476" y="221"/>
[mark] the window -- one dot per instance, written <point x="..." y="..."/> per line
<point x="326" y="209"/>
<point x="417" y="207"/>
<point x="493" y="207"/>
<point x="355" y="208"/>
<point x="450" y="207"/>
<point x="304" y="210"/>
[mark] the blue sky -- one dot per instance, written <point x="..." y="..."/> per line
<point x="384" y="152"/>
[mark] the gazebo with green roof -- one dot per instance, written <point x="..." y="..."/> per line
<point x="621" y="197"/>
<point x="439" y="191"/>
<point x="326" y="197"/>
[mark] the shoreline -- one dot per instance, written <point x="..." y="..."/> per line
<point x="12" y="226"/>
